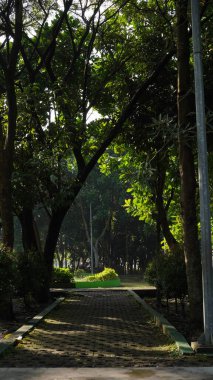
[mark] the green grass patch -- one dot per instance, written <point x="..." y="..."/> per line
<point x="108" y="278"/>
<point x="97" y="284"/>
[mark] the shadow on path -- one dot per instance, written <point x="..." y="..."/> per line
<point x="94" y="329"/>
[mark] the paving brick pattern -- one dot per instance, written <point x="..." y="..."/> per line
<point x="93" y="329"/>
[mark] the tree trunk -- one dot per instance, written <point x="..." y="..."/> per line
<point x="6" y="166"/>
<point x="173" y="245"/>
<point x="8" y="64"/>
<point x="6" y="307"/>
<point x="187" y="170"/>
<point x="98" y="239"/>
<point x="96" y="253"/>
<point x="6" y="203"/>
<point x="29" y="237"/>
<point x="50" y="244"/>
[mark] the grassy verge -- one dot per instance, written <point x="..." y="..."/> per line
<point x="97" y="284"/>
<point x="125" y="281"/>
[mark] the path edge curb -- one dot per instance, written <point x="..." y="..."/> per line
<point x="15" y="337"/>
<point x="183" y="346"/>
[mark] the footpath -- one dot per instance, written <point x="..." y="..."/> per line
<point x="96" y="334"/>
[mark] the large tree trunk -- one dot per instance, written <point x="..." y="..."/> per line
<point x="6" y="202"/>
<point x="8" y="64"/>
<point x="6" y="165"/>
<point x="50" y="244"/>
<point x="30" y="239"/>
<point x="187" y="170"/>
<point x="6" y="168"/>
<point x="31" y="242"/>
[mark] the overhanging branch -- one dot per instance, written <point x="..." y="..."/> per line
<point x="125" y="114"/>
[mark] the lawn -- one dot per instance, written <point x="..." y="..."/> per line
<point x="126" y="281"/>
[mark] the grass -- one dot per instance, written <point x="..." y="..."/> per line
<point x="134" y="281"/>
<point x="82" y="283"/>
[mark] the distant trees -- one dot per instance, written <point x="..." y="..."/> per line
<point x="119" y="240"/>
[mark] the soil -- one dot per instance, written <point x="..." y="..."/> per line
<point x="22" y="314"/>
<point x="178" y="316"/>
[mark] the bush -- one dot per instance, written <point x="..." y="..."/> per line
<point x="31" y="276"/>
<point x="7" y="282"/>
<point x="105" y="275"/>
<point x="168" y="274"/>
<point x="62" y="277"/>
<point x="80" y="273"/>
<point x="7" y="272"/>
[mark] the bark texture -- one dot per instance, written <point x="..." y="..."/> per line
<point x="185" y="104"/>
<point x="8" y="65"/>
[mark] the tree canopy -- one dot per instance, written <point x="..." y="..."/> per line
<point x="101" y="83"/>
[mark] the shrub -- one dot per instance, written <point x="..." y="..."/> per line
<point x="168" y="274"/>
<point x="62" y="277"/>
<point x="91" y="278"/>
<point x="106" y="274"/>
<point x="7" y="282"/>
<point x="80" y="273"/>
<point x="7" y="271"/>
<point x="31" y="275"/>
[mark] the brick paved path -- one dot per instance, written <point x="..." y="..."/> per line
<point x="93" y="329"/>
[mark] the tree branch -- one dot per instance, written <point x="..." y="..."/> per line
<point x="126" y="113"/>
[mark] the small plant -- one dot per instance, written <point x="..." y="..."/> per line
<point x="62" y="277"/>
<point x="105" y="275"/>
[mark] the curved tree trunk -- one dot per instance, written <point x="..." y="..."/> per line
<point x="50" y="244"/>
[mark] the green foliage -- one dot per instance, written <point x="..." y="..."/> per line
<point x="62" y="277"/>
<point x="105" y="275"/>
<point x="151" y="273"/>
<point x="168" y="274"/>
<point x="80" y="273"/>
<point x="7" y="272"/>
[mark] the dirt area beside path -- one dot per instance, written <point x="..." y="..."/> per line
<point x="22" y="314"/>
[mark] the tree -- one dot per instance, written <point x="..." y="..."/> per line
<point x="185" y="102"/>
<point x="62" y="169"/>
<point x="9" y="51"/>
<point x="186" y="145"/>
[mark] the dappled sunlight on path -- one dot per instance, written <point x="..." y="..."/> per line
<point x="94" y="329"/>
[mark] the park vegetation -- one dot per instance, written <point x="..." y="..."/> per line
<point x="97" y="100"/>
